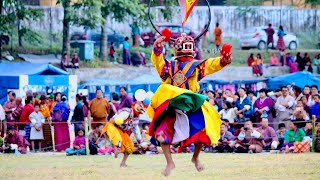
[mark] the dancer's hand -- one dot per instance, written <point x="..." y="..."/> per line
<point x="160" y="42"/>
<point x="226" y="53"/>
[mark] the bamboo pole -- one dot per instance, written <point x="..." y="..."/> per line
<point x="314" y="133"/>
<point x="86" y="129"/>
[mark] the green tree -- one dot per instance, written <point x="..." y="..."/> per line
<point x="313" y="3"/>
<point x="13" y="12"/>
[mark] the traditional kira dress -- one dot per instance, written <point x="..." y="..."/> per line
<point x="178" y="113"/>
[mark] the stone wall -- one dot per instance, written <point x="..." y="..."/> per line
<point x="233" y="20"/>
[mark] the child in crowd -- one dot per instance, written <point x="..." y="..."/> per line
<point x="281" y="133"/>
<point x="105" y="148"/>
<point x="79" y="145"/>
<point x="37" y="121"/>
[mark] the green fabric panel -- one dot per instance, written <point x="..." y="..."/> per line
<point x="188" y="102"/>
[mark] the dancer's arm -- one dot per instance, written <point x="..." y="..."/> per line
<point x="157" y="55"/>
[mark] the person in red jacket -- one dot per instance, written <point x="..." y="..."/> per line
<point x="24" y="118"/>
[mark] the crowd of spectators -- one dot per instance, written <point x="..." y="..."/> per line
<point x="253" y="122"/>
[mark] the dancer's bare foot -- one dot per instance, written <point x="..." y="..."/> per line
<point x="197" y="164"/>
<point x="168" y="169"/>
<point x="123" y="165"/>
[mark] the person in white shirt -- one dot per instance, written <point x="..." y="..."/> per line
<point x="228" y="112"/>
<point x="284" y="105"/>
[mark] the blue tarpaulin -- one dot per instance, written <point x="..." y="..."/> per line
<point x="299" y="78"/>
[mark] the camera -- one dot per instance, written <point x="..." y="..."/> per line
<point x="245" y="128"/>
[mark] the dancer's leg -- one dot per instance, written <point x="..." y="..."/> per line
<point x="124" y="159"/>
<point x="195" y="157"/>
<point x="170" y="164"/>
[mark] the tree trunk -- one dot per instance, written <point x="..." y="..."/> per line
<point x="272" y="2"/>
<point x="66" y="28"/>
<point x="19" y="34"/>
<point x="104" y="40"/>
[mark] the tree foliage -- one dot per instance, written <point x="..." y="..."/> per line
<point x="313" y="3"/>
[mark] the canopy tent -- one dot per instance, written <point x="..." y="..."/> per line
<point x="299" y="78"/>
<point x="22" y="77"/>
<point x="148" y="82"/>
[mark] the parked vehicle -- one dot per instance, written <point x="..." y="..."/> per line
<point x="256" y="37"/>
<point x="149" y="36"/>
<point x="95" y="35"/>
<point x="4" y="39"/>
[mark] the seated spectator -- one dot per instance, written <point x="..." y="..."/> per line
<point x="280" y="133"/>
<point x="308" y="62"/>
<point x="263" y="105"/>
<point x="274" y="60"/>
<point x="252" y="97"/>
<point x="299" y="114"/>
<point x="65" y="62"/>
<point x="300" y="61"/>
<point x="294" y="134"/>
<point x="228" y="112"/>
<point x="315" y="109"/>
<point x="284" y="105"/>
<point x="230" y="127"/>
<point x="95" y="139"/>
<point x="297" y="93"/>
<point x="249" y="140"/>
<point x="283" y="57"/>
<point x="250" y="60"/>
<point x="229" y="96"/>
<point x="211" y="97"/>
<point x="75" y="61"/>
<point x="136" y="59"/>
<point x="226" y="142"/>
<point x="257" y="65"/>
<point x="243" y="106"/>
<point x="308" y="128"/>
<point x="275" y="95"/>
<point x="291" y="63"/>
<point x="305" y="105"/>
<point x="317" y="144"/>
<point x="270" y="138"/>
<point x="14" y="142"/>
<point x="316" y="62"/>
<point x="37" y="121"/>
<point x="79" y="145"/>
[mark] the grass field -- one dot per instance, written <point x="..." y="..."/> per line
<point x="218" y="166"/>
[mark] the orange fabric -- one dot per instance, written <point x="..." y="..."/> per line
<point x="300" y="147"/>
<point x="217" y="33"/>
<point x="97" y="120"/>
<point x="44" y="109"/>
<point x="99" y="108"/>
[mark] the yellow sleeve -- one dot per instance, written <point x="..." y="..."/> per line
<point x="158" y="61"/>
<point x="212" y="65"/>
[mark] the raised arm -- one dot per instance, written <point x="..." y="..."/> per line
<point x="157" y="56"/>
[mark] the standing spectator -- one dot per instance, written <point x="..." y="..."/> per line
<point x="135" y="33"/>
<point x="217" y="33"/>
<point x="9" y="107"/>
<point x="225" y="143"/>
<point x="112" y="53"/>
<point x="270" y="32"/>
<point x="37" y="121"/>
<point x="250" y="60"/>
<point x="114" y="105"/>
<point x="78" y="115"/>
<point x="283" y="58"/>
<point x="243" y="106"/>
<point x="316" y="62"/>
<point x="126" y="51"/>
<point x="249" y="140"/>
<point x="300" y="61"/>
<point x="274" y="60"/>
<point x="263" y="105"/>
<point x="47" y="133"/>
<point x="60" y="117"/>
<point x="14" y="138"/>
<point x="284" y="105"/>
<point x="270" y="138"/>
<point x="65" y="62"/>
<point x="299" y="114"/>
<point x="99" y="109"/>
<point x="126" y="101"/>
<point x="257" y="65"/>
<point x="228" y="112"/>
<point x="24" y="118"/>
<point x="308" y="62"/>
<point x="294" y="134"/>
<point x="315" y="109"/>
<point x="204" y="37"/>
<point x="280" y="43"/>
<point x="85" y="106"/>
<point x="75" y="61"/>
<point x="17" y="113"/>
<point x="2" y="118"/>
<point x="79" y="144"/>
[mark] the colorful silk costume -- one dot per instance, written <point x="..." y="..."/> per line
<point x="178" y="113"/>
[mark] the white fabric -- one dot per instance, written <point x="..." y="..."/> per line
<point x="229" y="99"/>
<point x="181" y="127"/>
<point x="37" y="120"/>
<point x="228" y="114"/>
<point x="2" y="113"/>
<point x="255" y="134"/>
<point x="274" y="144"/>
<point x="241" y="136"/>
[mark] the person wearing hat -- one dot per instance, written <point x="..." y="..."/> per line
<point x="60" y="115"/>
<point x="14" y="141"/>
<point x="44" y="109"/>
